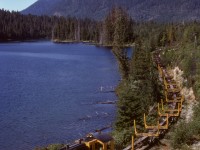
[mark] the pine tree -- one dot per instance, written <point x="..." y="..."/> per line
<point x="120" y="33"/>
<point x="137" y="93"/>
<point x="109" y="27"/>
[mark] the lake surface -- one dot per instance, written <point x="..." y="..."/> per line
<point x="49" y="92"/>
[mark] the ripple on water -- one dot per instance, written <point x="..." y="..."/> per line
<point x="49" y="92"/>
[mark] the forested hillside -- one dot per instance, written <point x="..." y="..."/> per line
<point x="140" y="90"/>
<point x="140" y="10"/>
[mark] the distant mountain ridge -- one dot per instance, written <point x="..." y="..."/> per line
<point x="141" y="10"/>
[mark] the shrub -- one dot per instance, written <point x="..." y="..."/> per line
<point x="122" y="138"/>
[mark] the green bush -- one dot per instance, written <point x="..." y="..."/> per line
<point x="122" y="138"/>
<point x="187" y="133"/>
<point x="180" y="135"/>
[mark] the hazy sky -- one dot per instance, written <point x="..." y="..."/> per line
<point x="15" y="4"/>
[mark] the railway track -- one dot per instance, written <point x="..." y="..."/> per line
<point x="168" y="110"/>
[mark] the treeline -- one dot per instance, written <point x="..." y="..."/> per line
<point x="73" y="29"/>
<point x="15" y="26"/>
<point x="101" y="32"/>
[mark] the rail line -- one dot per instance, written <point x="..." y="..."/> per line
<point x="168" y="110"/>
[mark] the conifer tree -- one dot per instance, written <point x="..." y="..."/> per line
<point x="138" y="92"/>
<point x="109" y="27"/>
<point x="120" y="33"/>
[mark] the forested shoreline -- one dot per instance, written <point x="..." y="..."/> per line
<point x="16" y="26"/>
<point x="139" y="88"/>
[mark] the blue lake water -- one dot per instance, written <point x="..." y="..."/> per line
<point x="49" y="92"/>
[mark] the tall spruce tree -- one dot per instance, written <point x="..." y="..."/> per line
<point x="120" y="34"/>
<point x="109" y="27"/>
<point x="138" y="92"/>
